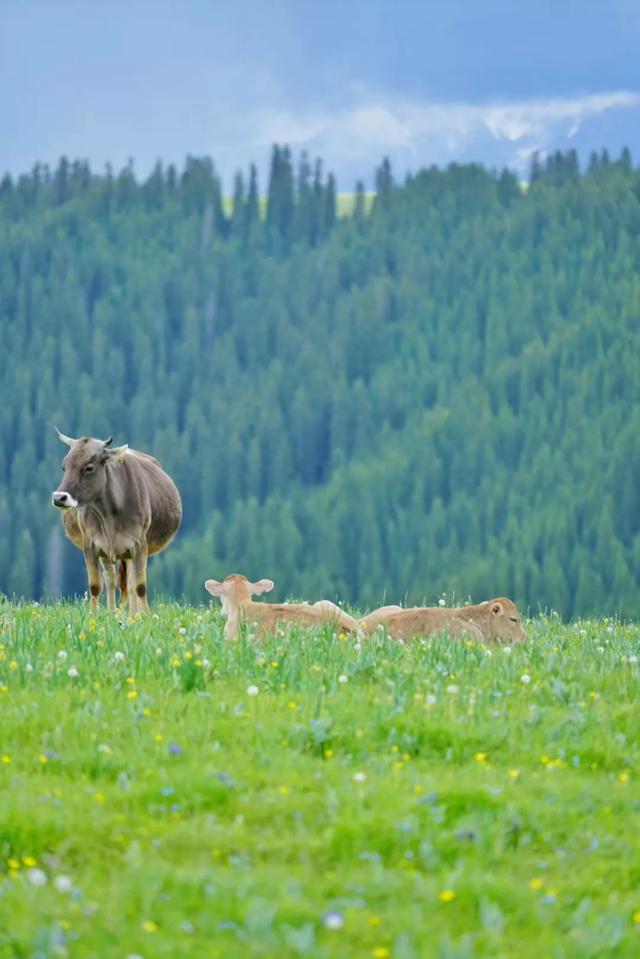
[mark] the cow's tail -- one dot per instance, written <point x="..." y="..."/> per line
<point x="122" y="580"/>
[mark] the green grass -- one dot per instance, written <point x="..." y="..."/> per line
<point x="193" y="819"/>
<point x="345" y="203"/>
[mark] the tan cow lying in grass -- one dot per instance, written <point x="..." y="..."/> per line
<point x="496" y="620"/>
<point x="235" y="594"/>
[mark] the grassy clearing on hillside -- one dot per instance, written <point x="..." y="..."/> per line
<point x="345" y="203"/>
<point x="439" y="799"/>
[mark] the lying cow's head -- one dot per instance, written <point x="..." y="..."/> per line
<point x="84" y="470"/>
<point x="236" y="590"/>
<point x="502" y="621"/>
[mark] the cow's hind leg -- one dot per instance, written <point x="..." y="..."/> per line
<point x="94" y="575"/>
<point x="122" y="582"/>
<point x="109" y="570"/>
<point x="138" y="585"/>
<point x="132" y="598"/>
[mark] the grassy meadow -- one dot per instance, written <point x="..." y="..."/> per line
<point x="164" y="793"/>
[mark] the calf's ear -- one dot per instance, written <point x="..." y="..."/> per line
<point x="215" y="588"/>
<point x="497" y="609"/>
<point x="262" y="586"/>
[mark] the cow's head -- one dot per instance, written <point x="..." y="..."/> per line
<point x="236" y="590"/>
<point x="502" y="621"/>
<point x="84" y="471"/>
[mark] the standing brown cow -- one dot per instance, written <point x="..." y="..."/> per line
<point x="119" y="506"/>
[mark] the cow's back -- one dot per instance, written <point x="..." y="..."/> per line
<point x="422" y="620"/>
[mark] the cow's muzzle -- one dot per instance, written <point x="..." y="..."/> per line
<point x="63" y="500"/>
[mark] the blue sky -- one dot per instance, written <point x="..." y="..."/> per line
<point x="424" y="82"/>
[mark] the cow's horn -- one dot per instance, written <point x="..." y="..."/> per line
<point x="108" y="442"/>
<point x="64" y="439"/>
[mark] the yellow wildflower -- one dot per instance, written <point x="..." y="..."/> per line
<point x="480" y="757"/>
<point x="447" y="895"/>
<point x="149" y="926"/>
<point x="6" y="759"/>
<point x="536" y="883"/>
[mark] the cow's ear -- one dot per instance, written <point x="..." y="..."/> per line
<point x="262" y="586"/>
<point x="215" y="588"/>
<point x="116" y="455"/>
<point x="497" y="609"/>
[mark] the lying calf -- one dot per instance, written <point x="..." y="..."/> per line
<point x="494" y="620"/>
<point x="235" y="595"/>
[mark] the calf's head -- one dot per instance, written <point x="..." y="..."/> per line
<point x="236" y="590"/>
<point x="502" y="622"/>
<point x="84" y="471"/>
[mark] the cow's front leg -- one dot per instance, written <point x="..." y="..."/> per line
<point x="109" y="570"/>
<point x="138" y="580"/>
<point x="93" y="575"/>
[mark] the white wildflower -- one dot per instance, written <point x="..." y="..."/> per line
<point x="342" y="679"/>
<point x="442" y="602"/>
<point x="430" y="699"/>
<point x="62" y="655"/>
<point x="63" y="883"/>
<point x="333" y="920"/>
<point x="452" y="690"/>
<point x="508" y="650"/>
<point x="73" y="672"/>
<point x="118" y="656"/>
<point x="359" y="777"/>
<point x="37" y="877"/>
<point x="252" y="690"/>
<point x="525" y="678"/>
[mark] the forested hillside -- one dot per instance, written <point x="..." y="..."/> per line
<point x="439" y="393"/>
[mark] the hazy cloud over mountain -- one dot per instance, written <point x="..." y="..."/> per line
<point x="350" y="81"/>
